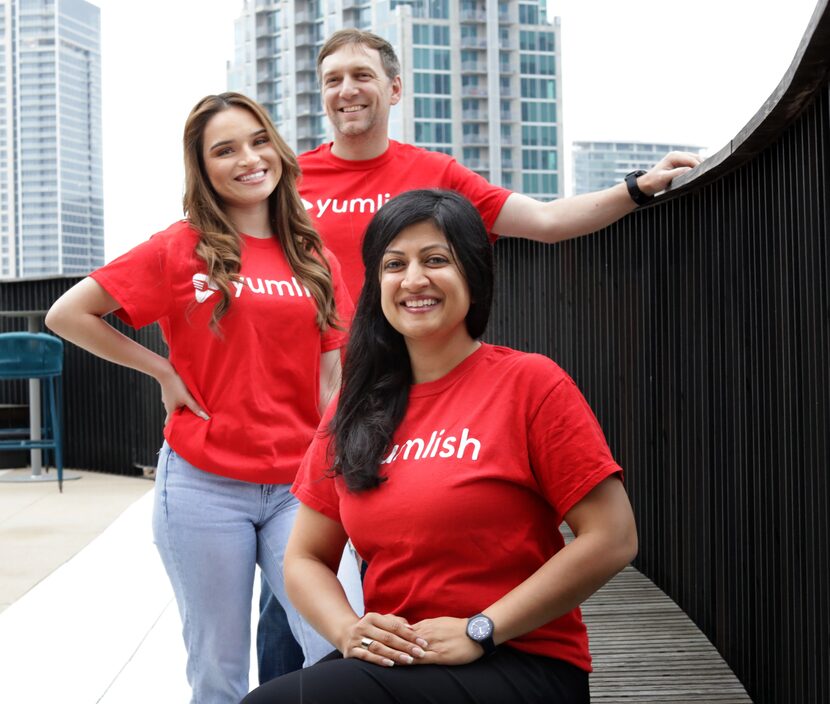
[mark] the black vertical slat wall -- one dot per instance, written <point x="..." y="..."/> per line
<point x="112" y="416"/>
<point x="698" y="329"/>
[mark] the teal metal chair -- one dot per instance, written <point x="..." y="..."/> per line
<point x="27" y="355"/>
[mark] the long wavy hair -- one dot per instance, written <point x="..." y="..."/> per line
<point x="219" y="243"/>
<point x="378" y="373"/>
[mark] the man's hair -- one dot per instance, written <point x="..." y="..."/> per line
<point x="359" y="37"/>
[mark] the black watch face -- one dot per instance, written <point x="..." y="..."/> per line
<point x="480" y="628"/>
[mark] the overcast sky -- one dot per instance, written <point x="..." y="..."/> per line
<point x="652" y="70"/>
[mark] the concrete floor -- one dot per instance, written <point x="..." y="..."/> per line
<point x="40" y="529"/>
<point x="89" y="616"/>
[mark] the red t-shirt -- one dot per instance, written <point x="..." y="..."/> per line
<point x="487" y="461"/>
<point x="259" y="381"/>
<point x="342" y="196"/>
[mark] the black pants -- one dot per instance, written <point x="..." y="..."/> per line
<point x="505" y="677"/>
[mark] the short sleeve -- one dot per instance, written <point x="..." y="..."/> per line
<point x="487" y="198"/>
<point x="140" y="281"/>
<point x="333" y="338"/>
<point x="568" y="451"/>
<point x="314" y="484"/>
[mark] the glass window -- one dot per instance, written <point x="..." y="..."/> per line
<point x="528" y="14"/>
<point x="543" y="184"/>
<point x="439" y="9"/>
<point x="538" y="63"/>
<point x="433" y="132"/>
<point x="433" y="108"/>
<point x="538" y="136"/>
<point x="538" y="112"/>
<point x="431" y="35"/>
<point x="432" y="83"/>
<point x="434" y="59"/>
<point x="539" y="160"/>
<point x="543" y="88"/>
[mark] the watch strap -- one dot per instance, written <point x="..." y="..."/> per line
<point x="634" y="191"/>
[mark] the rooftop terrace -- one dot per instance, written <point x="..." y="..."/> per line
<point x="698" y="329"/>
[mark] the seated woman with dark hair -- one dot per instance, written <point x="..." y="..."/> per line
<point x="450" y="463"/>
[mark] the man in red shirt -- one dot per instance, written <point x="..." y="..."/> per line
<point x="346" y="181"/>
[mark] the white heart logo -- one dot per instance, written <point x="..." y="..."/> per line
<point x="204" y="287"/>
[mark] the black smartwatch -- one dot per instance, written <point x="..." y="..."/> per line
<point x="480" y="629"/>
<point x="634" y="191"/>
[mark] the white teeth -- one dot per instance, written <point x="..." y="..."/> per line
<point x="420" y="303"/>
<point x="353" y="108"/>
<point x="251" y="177"/>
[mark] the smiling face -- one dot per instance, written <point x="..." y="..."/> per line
<point x="424" y="294"/>
<point x="240" y="161"/>
<point x="357" y="93"/>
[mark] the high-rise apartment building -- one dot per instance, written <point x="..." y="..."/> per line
<point x="480" y="77"/>
<point x="599" y="165"/>
<point x="51" y="189"/>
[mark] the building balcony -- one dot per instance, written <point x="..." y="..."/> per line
<point x="473" y="67"/>
<point x="474" y="116"/>
<point x="303" y="17"/>
<point x="473" y="15"/>
<point x="305" y="64"/>
<point x="306" y="86"/>
<point x="307" y="107"/>
<point x="474" y="139"/>
<point x="303" y="39"/>
<point x="474" y="91"/>
<point x="473" y="42"/>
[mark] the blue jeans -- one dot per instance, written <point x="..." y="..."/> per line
<point x="276" y="650"/>
<point x="211" y="532"/>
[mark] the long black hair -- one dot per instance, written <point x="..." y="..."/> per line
<point x="377" y="373"/>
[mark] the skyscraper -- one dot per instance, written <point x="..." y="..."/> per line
<point x="51" y="190"/>
<point x="599" y="165"/>
<point x="481" y="78"/>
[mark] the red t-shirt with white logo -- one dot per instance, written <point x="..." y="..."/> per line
<point x="259" y="381"/>
<point x="342" y="196"/>
<point x="487" y="461"/>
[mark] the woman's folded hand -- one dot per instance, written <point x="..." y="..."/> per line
<point x="383" y="639"/>
<point x="448" y="641"/>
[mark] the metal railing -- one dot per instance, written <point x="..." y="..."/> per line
<point x="699" y="330"/>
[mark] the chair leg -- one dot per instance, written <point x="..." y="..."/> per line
<point x="56" y="429"/>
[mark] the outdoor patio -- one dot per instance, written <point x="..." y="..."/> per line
<point x="88" y="615"/>
<point x="697" y="328"/>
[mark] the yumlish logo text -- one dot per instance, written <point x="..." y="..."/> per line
<point x="436" y="446"/>
<point x="205" y="288"/>
<point x="339" y="206"/>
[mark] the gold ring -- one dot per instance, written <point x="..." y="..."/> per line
<point x="366" y="642"/>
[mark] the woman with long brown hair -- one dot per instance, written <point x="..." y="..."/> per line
<point x="250" y="304"/>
